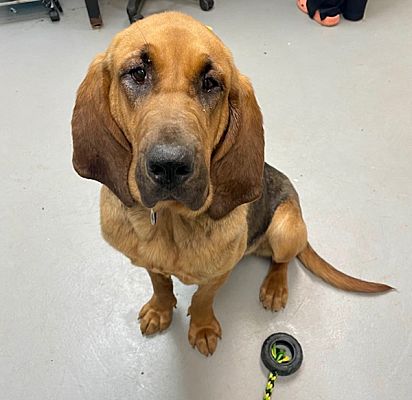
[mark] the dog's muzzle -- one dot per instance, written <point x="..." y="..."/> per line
<point x="169" y="166"/>
<point x="172" y="171"/>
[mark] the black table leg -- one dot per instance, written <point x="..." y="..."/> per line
<point x="94" y="13"/>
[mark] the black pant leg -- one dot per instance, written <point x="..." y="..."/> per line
<point x="326" y="8"/>
<point x="354" y="10"/>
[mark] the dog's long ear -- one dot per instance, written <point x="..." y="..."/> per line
<point x="238" y="161"/>
<point x="100" y="150"/>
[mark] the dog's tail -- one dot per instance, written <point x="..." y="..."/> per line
<point x="318" y="266"/>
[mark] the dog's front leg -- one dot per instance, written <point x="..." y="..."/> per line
<point x="156" y="315"/>
<point x="205" y="329"/>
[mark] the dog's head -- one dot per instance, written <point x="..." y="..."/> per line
<point x="163" y="117"/>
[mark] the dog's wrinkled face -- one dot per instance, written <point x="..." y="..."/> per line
<point x="172" y="104"/>
<point x="164" y="117"/>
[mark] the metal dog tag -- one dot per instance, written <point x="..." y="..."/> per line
<point x="153" y="216"/>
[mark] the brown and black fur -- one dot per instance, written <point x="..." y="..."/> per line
<point x="230" y="203"/>
<point x="276" y="189"/>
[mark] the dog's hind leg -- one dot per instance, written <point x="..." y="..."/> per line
<point x="274" y="289"/>
<point x="287" y="237"/>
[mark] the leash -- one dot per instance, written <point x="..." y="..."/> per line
<point x="280" y="356"/>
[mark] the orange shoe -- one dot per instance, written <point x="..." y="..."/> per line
<point x="328" y="21"/>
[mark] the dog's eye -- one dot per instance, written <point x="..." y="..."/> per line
<point x="210" y="84"/>
<point x="138" y="74"/>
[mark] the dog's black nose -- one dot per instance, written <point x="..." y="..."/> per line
<point x="169" y="165"/>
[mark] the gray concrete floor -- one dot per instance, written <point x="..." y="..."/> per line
<point x="338" y="115"/>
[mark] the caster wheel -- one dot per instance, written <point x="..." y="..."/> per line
<point x="206" y="5"/>
<point x="135" y="17"/>
<point x="54" y="15"/>
<point x="279" y="346"/>
<point x="58" y="5"/>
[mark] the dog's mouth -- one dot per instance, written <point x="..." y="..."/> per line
<point x="192" y="197"/>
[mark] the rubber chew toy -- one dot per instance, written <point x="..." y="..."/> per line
<point x="282" y="355"/>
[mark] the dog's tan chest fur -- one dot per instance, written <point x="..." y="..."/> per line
<point x="193" y="250"/>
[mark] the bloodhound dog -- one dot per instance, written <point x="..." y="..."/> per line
<point x="173" y="131"/>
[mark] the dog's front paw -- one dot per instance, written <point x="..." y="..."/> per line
<point x="204" y="336"/>
<point x="154" y="319"/>
<point x="273" y="294"/>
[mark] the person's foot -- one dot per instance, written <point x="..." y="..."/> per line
<point x="328" y="21"/>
